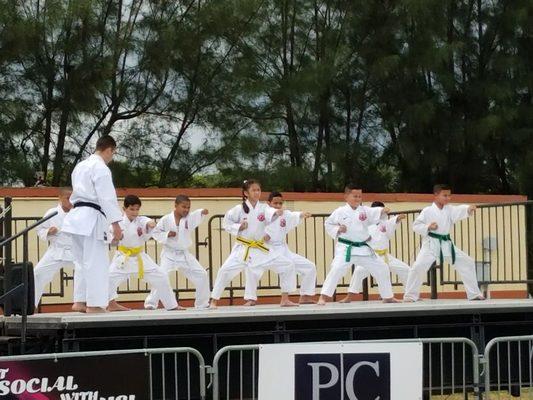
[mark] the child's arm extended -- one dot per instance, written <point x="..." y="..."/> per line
<point x="161" y="231"/>
<point x="196" y="217"/>
<point x="461" y="212"/>
<point x="294" y="218"/>
<point x="145" y="231"/>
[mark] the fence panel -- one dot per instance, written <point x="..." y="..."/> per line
<point x="508" y="368"/>
<point x="450" y="365"/>
<point x="174" y="373"/>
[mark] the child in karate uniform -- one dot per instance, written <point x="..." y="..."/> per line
<point x="59" y="252"/>
<point x="174" y="231"/>
<point x="434" y="224"/>
<point x="380" y="236"/>
<point x="349" y="225"/>
<point x="131" y="259"/>
<point x="247" y="222"/>
<point x="276" y="233"/>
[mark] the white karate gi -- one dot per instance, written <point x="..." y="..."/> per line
<point x="278" y="230"/>
<point x="380" y="235"/>
<point x="176" y="256"/>
<point x="57" y="256"/>
<point x="430" y="251"/>
<point x="92" y="182"/>
<point x="134" y="236"/>
<point x="258" y="261"/>
<point x="357" y="223"/>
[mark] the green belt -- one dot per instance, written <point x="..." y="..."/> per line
<point x="443" y="238"/>
<point x="351" y="244"/>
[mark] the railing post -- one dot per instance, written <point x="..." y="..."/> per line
<point x="529" y="246"/>
<point x="365" y="289"/>
<point x="7" y="234"/>
<point x="433" y="281"/>
<point x="25" y="260"/>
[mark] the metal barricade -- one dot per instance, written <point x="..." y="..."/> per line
<point x="508" y="368"/>
<point x="450" y="365"/>
<point x="175" y="373"/>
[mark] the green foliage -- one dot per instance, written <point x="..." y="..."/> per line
<point x="301" y="94"/>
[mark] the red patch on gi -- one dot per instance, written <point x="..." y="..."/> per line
<point x="362" y="217"/>
<point x="383" y="229"/>
<point x="139" y="231"/>
<point x="261" y="217"/>
<point x="283" y="223"/>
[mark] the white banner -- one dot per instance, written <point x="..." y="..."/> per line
<point x="340" y="371"/>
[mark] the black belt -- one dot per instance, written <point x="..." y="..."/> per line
<point x="90" y="205"/>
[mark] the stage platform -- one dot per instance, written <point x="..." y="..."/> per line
<point x="212" y="329"/>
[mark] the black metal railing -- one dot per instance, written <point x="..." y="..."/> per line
<point x="57" y="288"/>
<point x="496" y="237"/>
<point x="6" y="244"/>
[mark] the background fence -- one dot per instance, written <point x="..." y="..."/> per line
<point x="496" y="237"/>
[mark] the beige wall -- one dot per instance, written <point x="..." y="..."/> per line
<point x="508" y="262"/>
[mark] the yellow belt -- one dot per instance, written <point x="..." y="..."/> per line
<point x="252" y="244"/>
<point x="383" y="253"/>
<point x="134" y="252"/>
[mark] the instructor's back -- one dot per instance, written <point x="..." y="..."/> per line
<point x="95" y="207"/>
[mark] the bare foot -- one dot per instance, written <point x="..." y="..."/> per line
<point x="250" y="303"/>
<point x="178" y="308"/>
<point x="306" y="299"/>
<point x="79" y="307"/>
<point x="348" y="299"/>
<point x="288" y="303"/>
<point x="114" y="306"/>
<point x="478" y="298"/>
<point x="149" y="307"/>
<point x="391" y="300"/>
<point x="322" y="300"/>
<point x="408" y="300"/>
<point x="213" y="304"/>
<point x="95" y="310"/>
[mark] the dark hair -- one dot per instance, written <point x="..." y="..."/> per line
<point x="351" y="186"/>
<point x="440" y="187"/>
<point x="245" y="186"/>
<point x="131" y="200"/>
<point x="181" y="198"/>
<point x="377" y="204"/>
<point x="105" y="142"/>
<point x="274" y="194"/>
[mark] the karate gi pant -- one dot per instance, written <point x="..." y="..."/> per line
<point x="254" y="268"/>
<point x="155" y="276"/>
<point x="464" y="264"/>
<point x="92" y="257"/>
<point x="396" y="266"/>
<point x="303" y="267"/>
<point x="374" y="265"/>
<point x="45" y="270"/>
<point x="186" y="264"/>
